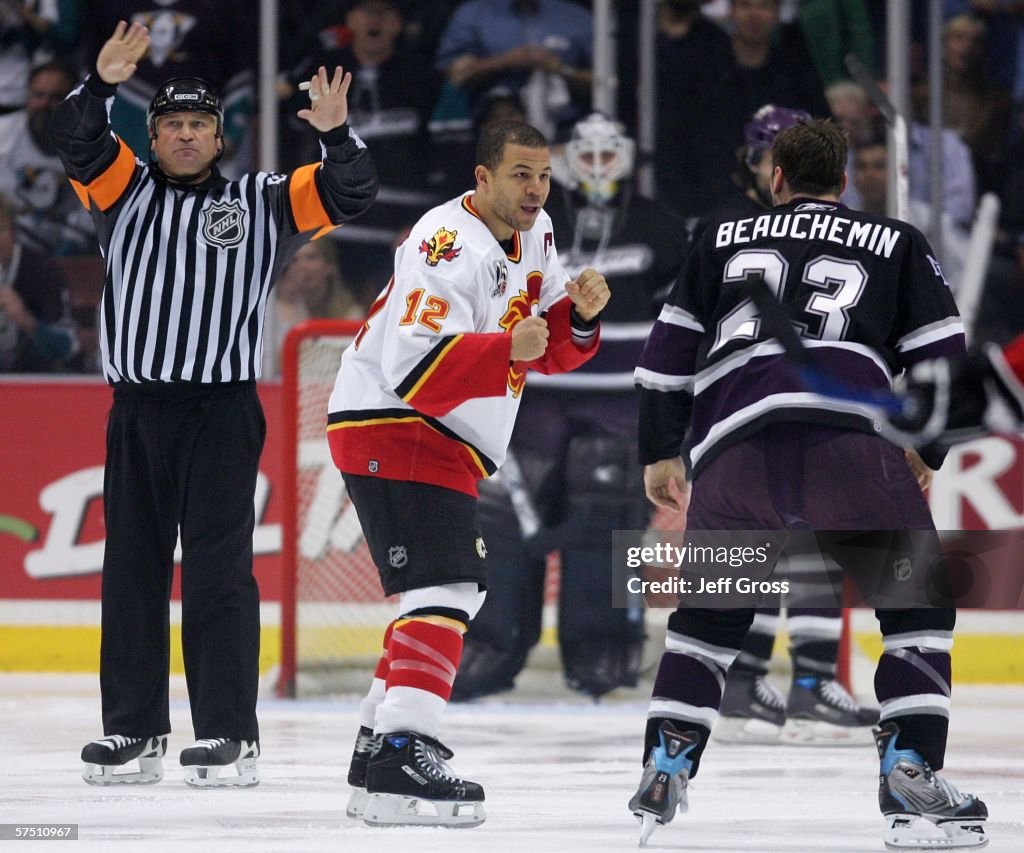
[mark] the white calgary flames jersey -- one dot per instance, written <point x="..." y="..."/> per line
<point x="427" y="391"/>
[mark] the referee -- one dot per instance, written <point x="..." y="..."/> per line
<point x="190" y="260"/>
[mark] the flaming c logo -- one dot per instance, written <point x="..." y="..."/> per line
<point x="518" y="309"/>
<point x="440" y="247"/>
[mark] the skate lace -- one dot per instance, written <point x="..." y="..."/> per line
<point x="767" y="693"/>
<point x="947" y="789"/>
<point x="433" y="765"/>
<point x="118" y="741"/>
<point x="836" y="694"/>
<point x="366" y="743"/>
<point x="211" y="742"/>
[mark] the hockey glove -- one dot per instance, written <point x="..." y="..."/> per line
<point x="956" y="402"/>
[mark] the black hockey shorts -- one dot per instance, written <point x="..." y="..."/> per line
<point x="419" y="535"/>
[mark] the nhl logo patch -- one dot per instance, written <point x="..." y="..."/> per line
<point x="903" y="569"/>
<point x="373" y="466"/>
<point x="481" y="548"/>
<point x="224" y="224"/>
<point x="397" y="556"/>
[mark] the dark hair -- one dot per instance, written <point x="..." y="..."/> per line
<point x="812" y="156"/>
<point x="493" y="139"/>
<point x="56" y="67"/>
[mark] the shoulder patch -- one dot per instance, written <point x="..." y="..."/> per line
<point x="440" y="247"/>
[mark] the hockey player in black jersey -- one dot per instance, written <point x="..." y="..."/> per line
<point x="576" y="479"/>
<point x="817" y="708"/>
<point x="868" y="298"/>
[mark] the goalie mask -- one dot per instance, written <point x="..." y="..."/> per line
<point x="599" y="157"/>
<point x="185" y="95"/>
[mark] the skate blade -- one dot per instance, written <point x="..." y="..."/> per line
<point x="357" y="803"/>
<point x="820" y="733"/>
<point x="396" y="810"/>
<point x="648" y="823"/>
<point x="745" y="730"/>
<point x="911" y="832"/>
<point x="151" y="771"/>
<point x="245" y="775"/>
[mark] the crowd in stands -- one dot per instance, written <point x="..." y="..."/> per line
<point x="427" y="74"/>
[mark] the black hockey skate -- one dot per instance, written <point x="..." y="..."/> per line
<point x="917" y="802"/>
<point x="409" y="783"/>
<point x="752" y="710"/>
<point x="366" y="743"/>
<point x="663" y="785"/>
<point x="103" y="759"/>
<point x="820" y="711"/>
<point x="207" y="759"/>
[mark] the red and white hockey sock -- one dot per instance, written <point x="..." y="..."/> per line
<point x="375" y="695"/>
<point x="423" y="657"/>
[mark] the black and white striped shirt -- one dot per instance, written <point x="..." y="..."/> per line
<point x="189" y="268"/>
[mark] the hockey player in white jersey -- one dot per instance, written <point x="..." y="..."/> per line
<point x="423" y="408"/>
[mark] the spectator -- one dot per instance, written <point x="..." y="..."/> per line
<point x="854" y="113"/>
<point x="36" y="331"/>
<point x="50" y="219"/>
<point x="310" y="287"/>
<point x="693" y="54"/>
<point x="833" y="29"/>
<point x="211" y="39"/>
<point x="769" y="63"/>
<point x="539" y="48"/>
<point x="390" y="101"/>
<point x="978" y="110"/>
<point x="869" y="175"/>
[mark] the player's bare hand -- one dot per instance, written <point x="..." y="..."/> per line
<point x="665" y="484"/>
<point x="922" y="473"/>
<point x="328" y="107"/>
<point x="529" y="338"/>
<point x="589" y="292"/>
<point x="119" y="57"/>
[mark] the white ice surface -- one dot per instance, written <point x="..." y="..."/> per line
<point x="557" y="778"/>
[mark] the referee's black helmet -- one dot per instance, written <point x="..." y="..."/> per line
<point x="185" y="95"/>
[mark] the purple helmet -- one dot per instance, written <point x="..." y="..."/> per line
<point x="759" y="133"/>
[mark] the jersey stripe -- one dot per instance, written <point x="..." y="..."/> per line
<point x="420" y="374"/>
<point x="307" y="209"/>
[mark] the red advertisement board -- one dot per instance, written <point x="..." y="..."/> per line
<point x="52" y="436"/>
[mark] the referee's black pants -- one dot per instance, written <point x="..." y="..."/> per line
<point x="181" y="455"/>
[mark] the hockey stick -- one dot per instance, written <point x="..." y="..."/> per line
<point x="887" y="406"/>
<point x="979" y="253"/>
<point x="901" y="143"/>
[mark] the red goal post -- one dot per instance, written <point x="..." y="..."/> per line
<point x="333" y="612"/>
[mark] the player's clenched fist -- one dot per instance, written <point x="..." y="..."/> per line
<point x="589" y="293"/>
<point x="529" y="338"/>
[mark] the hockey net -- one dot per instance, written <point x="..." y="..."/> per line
<point x="333" y="611"/>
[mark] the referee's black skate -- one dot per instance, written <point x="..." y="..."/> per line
<point x="221" y="763"/>
<point x="922" y="810"/>
<point x="409" y="783"/>
<point x="666" y="775"/>
<point x="366" y="743"/>
<point x="105" y="757"/>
